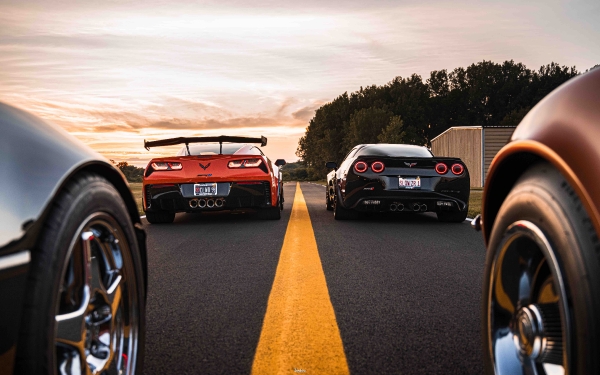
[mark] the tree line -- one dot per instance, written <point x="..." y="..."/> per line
<point x="131" y="172"/>
<point x="410" y="110"/>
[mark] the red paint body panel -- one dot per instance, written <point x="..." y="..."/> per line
<point x="215" y="170"/>
<point x="563" y="129"/>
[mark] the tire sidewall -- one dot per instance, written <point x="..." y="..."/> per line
<point x="542" y="197"/>
<point x="88" y="194"/>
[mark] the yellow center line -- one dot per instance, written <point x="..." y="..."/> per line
<point x="300" y="333"/>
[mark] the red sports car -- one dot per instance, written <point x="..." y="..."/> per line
<point x="212" y="174"/>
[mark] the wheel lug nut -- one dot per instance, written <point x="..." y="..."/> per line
<point x="101" y="314"/>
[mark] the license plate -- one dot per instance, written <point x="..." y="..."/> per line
<point x="409" y="182"/>
<point x="205" y="189"/>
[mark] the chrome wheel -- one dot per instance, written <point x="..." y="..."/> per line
<point x="528" y="318"/>
<point x="97" y="322"/>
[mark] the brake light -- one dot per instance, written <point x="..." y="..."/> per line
<point x="441" y="168"/>
<point x="167" y="166"/>
<point x="377" y="167"/>
<point x="457" y="169"/>
<point x="360" y="167"/>
<point x="245" y="163"/>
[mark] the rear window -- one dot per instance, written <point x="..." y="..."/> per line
<point x="210" y="149"/>
<point x="395" y="150"/>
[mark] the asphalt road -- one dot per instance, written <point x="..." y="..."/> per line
<point x="405" y="290"/>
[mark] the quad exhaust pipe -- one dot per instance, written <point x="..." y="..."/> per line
<point x="207" y="203"/>
<point x="419" y="207"/>
<point x="416" y="207"/>
<point x="396" y="207"/>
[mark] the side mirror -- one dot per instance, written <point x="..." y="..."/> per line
<point x="280" y="162"/>
<point x="331" y="165"/>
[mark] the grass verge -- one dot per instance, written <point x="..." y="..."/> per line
<point x="475" y="203"/>
<point x="136" y="190"/>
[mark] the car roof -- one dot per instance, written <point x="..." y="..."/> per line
<point x="393" y="149"/>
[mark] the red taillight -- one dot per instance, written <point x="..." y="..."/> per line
<point x="360" y="167"/>
<point x="246" y="163"/>
<point x="377" y="167"/>
<point x="167" y="166"/>
<point x="457" y="169"/>
<point x="441" y="168"/>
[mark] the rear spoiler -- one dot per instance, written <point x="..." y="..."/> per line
<point x="187" y="140"/>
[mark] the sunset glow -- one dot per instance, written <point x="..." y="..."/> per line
<point x="116" y="73"/>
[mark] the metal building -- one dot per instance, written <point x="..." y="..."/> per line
<point x="475" y="145"/>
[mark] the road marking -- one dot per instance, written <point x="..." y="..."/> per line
<point x="299" y="330"/>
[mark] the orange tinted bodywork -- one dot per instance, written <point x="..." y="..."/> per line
<point x="563" y="129"/>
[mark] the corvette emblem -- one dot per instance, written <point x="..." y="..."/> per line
<point x="204" y="166"/>
<point x="410" y="164"/>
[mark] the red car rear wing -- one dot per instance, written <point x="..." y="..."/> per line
<point x="187" y="140"/>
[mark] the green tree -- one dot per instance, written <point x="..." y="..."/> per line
<point x="365" y="126"/>
<point x="397" y="132"/>
<point x="484" y="93"/>
<point x="515" y="117"/>
<point x="131" y="172"/>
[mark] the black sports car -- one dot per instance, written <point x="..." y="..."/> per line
<point x="72" y="256"/>
<point x="398" y="178"/>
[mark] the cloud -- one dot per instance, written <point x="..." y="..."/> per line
<point x="307" y="113"/>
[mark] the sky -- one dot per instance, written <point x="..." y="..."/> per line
<point x="114" y="73"/>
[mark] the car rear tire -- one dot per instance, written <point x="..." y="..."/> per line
<point x="542" y="281"/>
<point x="341" y="213"/>
<point x="160" y="217"/>
<point x="86" y="278"/>
<point x="451" y="217"/>
<point x="328" y="203"/>
<point x="271" y="213"/>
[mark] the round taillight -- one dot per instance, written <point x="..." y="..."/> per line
<point x="360" y="167"/>
<point x="441" y="168"/>
<point x="457" y="169"/>
<point x="377" y="167"/>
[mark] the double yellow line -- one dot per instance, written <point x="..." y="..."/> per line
<point x="299" y="333"/>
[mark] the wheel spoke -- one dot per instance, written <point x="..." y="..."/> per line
<point x="96" y="284"/>
<point x="113" y="294"/>
<point x="71" y="362"/>
<point x="70" y="328"/>
<point x="94" y="303"/>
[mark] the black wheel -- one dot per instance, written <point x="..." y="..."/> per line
<point x="451" y="217"/>
<point x="328" y="203"/>
<point x="85" y="301"/>
<point x="341" y="213"/>
<point x="541" y="311"/>
<point x="281" y="199"/>
<point x="271" y="213"/>
<point x="160" y="217"/>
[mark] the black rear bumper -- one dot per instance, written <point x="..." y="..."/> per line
<point x="412" y="202"/>
<point x="230" y="196"/>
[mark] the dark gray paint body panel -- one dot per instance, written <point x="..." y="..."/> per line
<point x="33" y="163"/>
